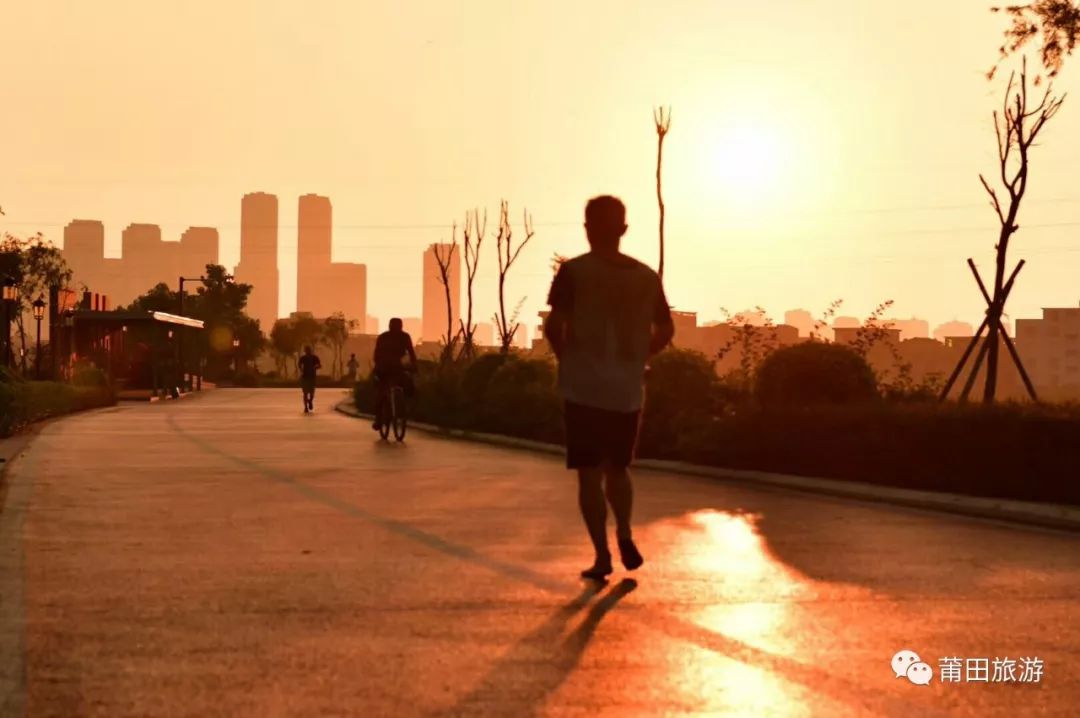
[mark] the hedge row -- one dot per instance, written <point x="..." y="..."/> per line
<point x="1021" y="452"/>
<point x="24" y="402"/>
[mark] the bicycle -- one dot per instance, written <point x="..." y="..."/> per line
<point x="397" y="405"/>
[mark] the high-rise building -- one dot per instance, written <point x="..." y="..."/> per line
<point x="258" y="256"/>
<point x="147" y="261"/>
<point x="198" y="248"/>
<point x="324" y="287"/>
<point x="434" y="300"/>
<point x="84" y="252"/>
<point x="348" y="291"/>
<point x="313" y="248"/>
<point x="413" y="326"/>
<point x="84" y="242"/>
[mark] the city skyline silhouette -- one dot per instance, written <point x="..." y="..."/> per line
<point x="786" y="186"/>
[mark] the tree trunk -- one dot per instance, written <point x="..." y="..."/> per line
<point x="503" y="328"/>
<point x="997" y="306"/>
<point x="467" y="348"/>
<point x="449" y="316"/>
<point x="660" y="199"/>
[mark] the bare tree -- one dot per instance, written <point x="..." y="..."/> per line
<point x="663" y="123"/>
<point x="444" y="255"/>
<point x="507" y="326"/>
<point x="1016" y="126"/>
<point x="473" y="236"/>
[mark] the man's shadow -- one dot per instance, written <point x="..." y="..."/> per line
<point x="522" y="679"/>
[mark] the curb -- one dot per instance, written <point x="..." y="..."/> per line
<point x="1054" y="516"/>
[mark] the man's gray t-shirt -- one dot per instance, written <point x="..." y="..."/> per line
<point x="611" y="304"/>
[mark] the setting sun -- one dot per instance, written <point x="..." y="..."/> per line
<point x="745" y="162"/>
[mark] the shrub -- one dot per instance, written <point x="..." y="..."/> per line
<point x="813" y="374"/>
<point x="86" y="374"/>
<point x="479" y="372"/>
<point x="24" y="402"/>
<point x="439" y="398"/>
<point x="681" y="391"/>
<point x="689" y="415"/>
<point x="247" y="379"/>
<point x="928" y="446"/>
<point x="364" y="395"/>
<point x="521" y="400"/>
<point x="7" y="376"/>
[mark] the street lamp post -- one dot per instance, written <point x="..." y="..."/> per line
<point x="10" y="298"/>
<point x="180" y="340"/>
<point x="236" y="357"/>
<point x="39" y="314"/>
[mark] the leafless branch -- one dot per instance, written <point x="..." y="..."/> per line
<point x="507" y="255"/>
<point x="444" y="255"/>
<point x="994" y="198"/>
<point x="663" y="124"/>
<point x="473" y="238"/>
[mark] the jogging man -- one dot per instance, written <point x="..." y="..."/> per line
<point x="608" y="315"/>
<point x="309" y="366"/>
<point x="390" y="348"/>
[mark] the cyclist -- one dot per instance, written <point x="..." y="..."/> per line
<point x="391" y="346"/>
<point x="309" y="366"/>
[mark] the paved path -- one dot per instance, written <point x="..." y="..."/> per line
<point x="229" y="556"/>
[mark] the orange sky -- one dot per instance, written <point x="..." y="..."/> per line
<point x="867" y="122"/>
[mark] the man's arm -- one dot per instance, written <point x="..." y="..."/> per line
<point x="561" y="299"/>
<point x="663" y="326"/>
<point x="412" y="352"/>
<point x="555" y="331"/>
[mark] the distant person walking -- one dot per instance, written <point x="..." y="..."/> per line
<point x="353" y="367"/>
<point x="609" y="314"/>
<point x="309" y="366"/>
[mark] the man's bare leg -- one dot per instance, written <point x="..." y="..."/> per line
<point x="594" y="512"/>
<point x="620" y="494"/>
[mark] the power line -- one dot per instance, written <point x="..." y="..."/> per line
<point x="393" y="226"/>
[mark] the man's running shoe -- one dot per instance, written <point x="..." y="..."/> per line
<point x="628" y="552"/>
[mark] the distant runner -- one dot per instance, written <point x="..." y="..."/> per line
<point x="608" y="315"/>
<point x="309" y="366"/>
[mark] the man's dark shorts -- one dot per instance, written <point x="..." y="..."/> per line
<point x="308" y="386"/>
<point x="597" y="437"/>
